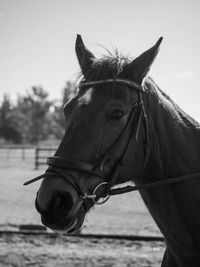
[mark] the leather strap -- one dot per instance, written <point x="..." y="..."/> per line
<point x="57" y="161"/>
<point x="173" y="180"/>
<point x="117" y="80"/>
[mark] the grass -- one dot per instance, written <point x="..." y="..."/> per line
<point x="124" y="214"/>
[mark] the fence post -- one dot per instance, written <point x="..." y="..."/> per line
<point x="8" y="152"/>
<point x="36" y="158"/>
<point x="23" y="153"/>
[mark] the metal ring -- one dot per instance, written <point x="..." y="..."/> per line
<point x="105" y="198"/>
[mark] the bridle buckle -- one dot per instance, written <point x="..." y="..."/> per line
<point x="85" y="196"/>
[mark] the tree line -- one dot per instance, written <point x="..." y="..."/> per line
<point x="33" y="117"/>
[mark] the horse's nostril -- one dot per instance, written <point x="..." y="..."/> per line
<point x="58" y="213"/>
<point x="62" y="203"/>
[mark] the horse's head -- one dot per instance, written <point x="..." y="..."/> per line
<point x="103" y="122"/>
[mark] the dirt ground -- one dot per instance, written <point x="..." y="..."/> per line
<point x="50" y="251"/>
<point x="122" y="215"/>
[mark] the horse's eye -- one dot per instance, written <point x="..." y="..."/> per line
<point x="117" y="114"/>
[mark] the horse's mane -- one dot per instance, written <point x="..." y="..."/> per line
<point x="167" y="103"/>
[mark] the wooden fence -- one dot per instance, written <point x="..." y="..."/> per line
<point x="41" y="155"/>
<point x="16" y="152"/>
<point x="16" y="155"/>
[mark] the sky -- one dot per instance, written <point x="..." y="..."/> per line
<point x="38" y="37"/>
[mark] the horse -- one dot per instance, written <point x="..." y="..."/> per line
<point x="122" y="127"/>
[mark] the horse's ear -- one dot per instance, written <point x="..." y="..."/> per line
<point x="85" y="57"/>
<point x="139" y="67"/>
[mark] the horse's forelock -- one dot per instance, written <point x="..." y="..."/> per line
<point x="108" y="66"/>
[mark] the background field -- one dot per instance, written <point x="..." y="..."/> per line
<point x="125" y="214"/>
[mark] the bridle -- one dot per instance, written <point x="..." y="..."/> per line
<point x="137" y="116"/>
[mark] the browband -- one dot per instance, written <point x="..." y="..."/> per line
<point x="117" y="80"/>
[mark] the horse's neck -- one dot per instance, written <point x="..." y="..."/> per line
<point x="175" y="139"/>
<point x="175" y="150"/>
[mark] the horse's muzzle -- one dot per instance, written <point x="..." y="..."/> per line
<point x="60" y="215"/>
